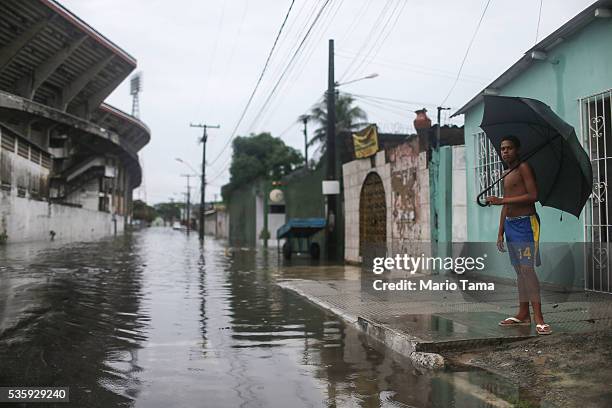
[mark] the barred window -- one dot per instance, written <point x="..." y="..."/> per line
<point x="489" y="167"/>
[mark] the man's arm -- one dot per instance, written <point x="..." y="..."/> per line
<point x="500" y="231"/>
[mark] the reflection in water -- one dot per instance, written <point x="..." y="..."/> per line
<point x="154" y="320"/>
<point x="73" y="316"/>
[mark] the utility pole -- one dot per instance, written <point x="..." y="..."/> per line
<point x="305" y="121"/>
<point x="440" y="109"/>
<point x="188" y="209"/>
<point x="332" y="213"/>
<point x="203" y="182"/>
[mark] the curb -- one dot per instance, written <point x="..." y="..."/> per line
<point x="400" y="343"/>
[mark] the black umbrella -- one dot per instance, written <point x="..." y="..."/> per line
<point x="562" y="168"/>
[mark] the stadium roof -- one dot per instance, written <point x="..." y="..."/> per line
<point x="49" y="55"/>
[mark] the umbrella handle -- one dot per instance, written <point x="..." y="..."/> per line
<point x="483" y="192"/>
<point x="481" y="195"/>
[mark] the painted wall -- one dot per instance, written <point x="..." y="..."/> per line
<point x="354" y="174"/>
<point x="241" y="209"/>
<point x="27" y="220"/>
<point x="304" y="199"/>
<point x="405" y="178"/>
<point x="459" y="196"/>
<point x="584" y="69"/>
<point x="217" y="224"/>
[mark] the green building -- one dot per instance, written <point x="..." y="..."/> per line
<point x="571" y="71"/>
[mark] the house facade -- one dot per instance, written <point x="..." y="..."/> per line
<point x="571" y="71"/>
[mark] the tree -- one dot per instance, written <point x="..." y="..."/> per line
<point x="349" y="117"/>
<point x="144" y="212"/>
<point x="169" y="211"/>
<point x="260" y="155"/>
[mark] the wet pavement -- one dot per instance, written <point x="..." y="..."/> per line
<point x="153" y="320"/>
<point x="438" y="321"/>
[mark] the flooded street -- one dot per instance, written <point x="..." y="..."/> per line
<point x="151" y="320"/>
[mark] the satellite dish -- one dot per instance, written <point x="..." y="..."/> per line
<point x="276" y="195"/>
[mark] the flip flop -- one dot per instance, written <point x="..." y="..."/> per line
<point x="513" y="321"/>
<point x="543" y="329"/>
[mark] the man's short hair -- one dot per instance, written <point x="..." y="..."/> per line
<point x="515" y="140"/>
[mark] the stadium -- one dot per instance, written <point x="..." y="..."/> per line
<point x="68" y="161"/>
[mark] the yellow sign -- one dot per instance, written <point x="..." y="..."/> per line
<point x="366" y="142"/>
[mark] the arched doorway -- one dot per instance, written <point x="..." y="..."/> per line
<point x="372" y="218"/>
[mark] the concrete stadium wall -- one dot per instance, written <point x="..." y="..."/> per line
<point x="27" y="220"/>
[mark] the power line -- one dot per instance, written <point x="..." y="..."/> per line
<point x="389" y="31"/>
<point x="539" y="19"/>
<point x="467" y="51"/>
<point x="419" y="69"/>
<point x="370" y="35"/>
<point x="226" y="164"/>
<point x="364" y="8"/>
<point x="263" y="71"/>
<point x="213" y="58"/>
<point x="294" y="56"/>
<point x="382" y="98"/>
<point x="387" y="28"/>
<point x="302" y="61"/>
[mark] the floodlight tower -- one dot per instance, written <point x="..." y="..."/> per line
<point x="135" y="89"/>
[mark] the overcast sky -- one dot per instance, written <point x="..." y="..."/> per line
<point x="201" y="60"/>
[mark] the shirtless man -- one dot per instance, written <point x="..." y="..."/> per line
<point x="521" y="226"/>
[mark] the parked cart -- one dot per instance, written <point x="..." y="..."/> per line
<point x="298" y="233"/>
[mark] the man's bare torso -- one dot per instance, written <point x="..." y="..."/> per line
<point x="514" y="185"/>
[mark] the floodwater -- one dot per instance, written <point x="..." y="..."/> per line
<point x="153" y="320"/>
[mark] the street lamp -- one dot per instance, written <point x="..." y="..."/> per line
<point x="370" y="76"/>
<point x="186" y="163"/>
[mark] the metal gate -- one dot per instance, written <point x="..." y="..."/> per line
<point x="595" y="119"/>
<point x="372" y="217"/>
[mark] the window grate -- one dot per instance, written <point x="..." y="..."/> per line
<point x="489" y="167"/>
<point x="595" y="116"/>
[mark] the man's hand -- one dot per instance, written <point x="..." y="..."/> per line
<point x="494" y="200"/>
<point x="500" y="243"/>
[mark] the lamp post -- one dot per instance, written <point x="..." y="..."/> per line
<point x="333" y="202"/>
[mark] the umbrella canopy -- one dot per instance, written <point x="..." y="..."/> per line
<point x="562" y="168"/>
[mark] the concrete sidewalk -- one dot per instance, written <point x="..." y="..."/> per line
<point x="415" y="324"/>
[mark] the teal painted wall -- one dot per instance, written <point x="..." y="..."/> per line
<point x="584" y="68"/>
<point x="441" y="196"/>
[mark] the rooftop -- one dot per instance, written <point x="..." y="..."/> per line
<point x="599" y="8"/>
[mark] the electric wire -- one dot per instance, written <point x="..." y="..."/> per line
<point x="371" y="33"/>
<point x="290" y="64"/>
<point x="263" y="71"/>
<point x="467" y="51"/>
<point x="387" y="28"/>
<point x="303" y="60"/>
<point x="539" y="19"/>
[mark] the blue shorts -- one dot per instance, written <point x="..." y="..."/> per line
<point x="523" y="236"/>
